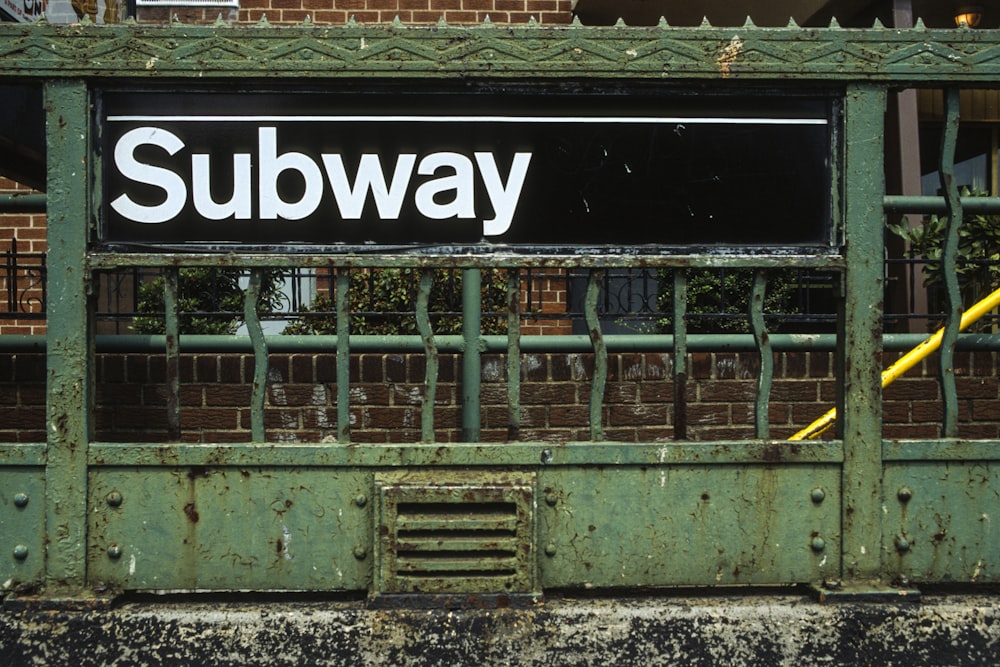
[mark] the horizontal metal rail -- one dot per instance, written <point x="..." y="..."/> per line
<point x="454" y="343"/>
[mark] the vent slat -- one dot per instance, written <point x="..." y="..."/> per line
<point x="407" y="544"/>
<point x="456" y="523"/>
<point x="442" y="566"/>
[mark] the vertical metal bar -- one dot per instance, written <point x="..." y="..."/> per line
<point x="472" y="333"/>
<point x="171" y="320"/>
<point x="763" y="341"/>
<point x="949" y="268"/>
<point x="680" y="354"/>
<point x="513" y="354"/>
<point x="431" y="353"/>
<point x="859" y="349"/>
<point x="343" y="305"/>
<point x="70" y="356"/>
<point x="252" y="319"/>
<point x="596" y="278"/>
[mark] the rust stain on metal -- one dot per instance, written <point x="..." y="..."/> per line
<point x="730" y="53"/>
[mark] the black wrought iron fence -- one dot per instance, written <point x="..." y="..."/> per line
<point x="22" y="279"/>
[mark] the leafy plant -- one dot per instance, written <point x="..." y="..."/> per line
<point x="209" y="299"/>
<point x="383" y="301"/>
<point x="977" y="259"/>
<point x="719" y="299"/>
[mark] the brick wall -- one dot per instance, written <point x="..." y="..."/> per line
<point x="385" y="397"/>
<point x="26" y="232"/>
<point x="544" y="12"/>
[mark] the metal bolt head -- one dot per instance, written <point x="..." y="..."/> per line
<point x="115" y="499"/>
<point x="551" y="499"/>
<point x="115" y="551"/>
<point x="360" y="552"/>
<point x="817" y="495"/>
<point x="20" y="552"/>
<point x="818" y="544"/>
<point x="902" y="544"/>
<point x="550" y="549"/>
<point x="904" y="494"/>
<point x="20" y="499"/>
<point x="361" y="500"/>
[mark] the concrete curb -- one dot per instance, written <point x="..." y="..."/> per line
<point x="690" y="631"/>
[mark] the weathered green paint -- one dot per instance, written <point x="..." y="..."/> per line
<point x="555" y="343"/>
<point x="472" y="366"/>
<point x="22" y="513"/>
<point x="70" y="367"/>
<point x="256" y="333"/>
<point x="229" y="528"/>
<point x="172" y="331"/>
<point x="513" y="354"/>
<point x="701" y="525"/>
<point x="343" y="305"/>
<point x="949" y="264"/>
<point x="264" y="516"/>
<point x="860" y="328"/>
<point x="724" y="54"/>
<point x="762" y="404"/>
<point x="679" y="346"/>
<point x="939" y="521"/>
<point x="429" y="397"/>
<point x="480" y="455"/>
<point x="599" y="381"/>
<point x="455" y="532"/>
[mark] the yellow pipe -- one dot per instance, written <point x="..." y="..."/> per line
<point x="906" y="362"/>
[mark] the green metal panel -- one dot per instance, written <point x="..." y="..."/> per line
<point x="229" y="528"/>
<point x="689" y="525"/>
<point x="22" y="513"/>
<point x="939" y="521"/>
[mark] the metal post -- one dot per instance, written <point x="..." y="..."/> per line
<point x="763" y="341"/>
<point x="949" y="264"/>
<point x="70" y="359"/>
<point x="472" y="306"/>
<point x="860" y="337"/>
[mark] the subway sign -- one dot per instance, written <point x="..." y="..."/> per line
<point x="512" y="169"/>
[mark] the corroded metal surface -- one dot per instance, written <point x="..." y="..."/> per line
<point x="663" y="53"/>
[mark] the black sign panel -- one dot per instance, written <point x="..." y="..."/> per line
<point x="520" y="169"/>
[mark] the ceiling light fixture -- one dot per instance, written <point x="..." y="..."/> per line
<point x="968" y="16"/>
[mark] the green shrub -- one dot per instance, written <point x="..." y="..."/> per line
<point x="383" y="302"/>
<point x="210" y="301"/>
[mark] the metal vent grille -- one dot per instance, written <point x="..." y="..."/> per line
<point x="455" y="536"/>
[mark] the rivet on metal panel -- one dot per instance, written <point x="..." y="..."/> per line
<point x="551" y="499"/>
<point x="20" y="552"/>
<point x="114" y="499"/>
<point x="904" y="494"/>
<point x="902" y="544"/>
<point x="360" y="552"/>
<point x="817" y="495"/>
<point x="361" y="500"/>
<point x="546" y="456"/>
<point x="550" y="549"/>
<point x="21" y="499"/>
<point x="115" y="551"/>
<point x="818" y="544"/>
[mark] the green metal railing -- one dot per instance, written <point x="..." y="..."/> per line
<point x="851" y="516"/>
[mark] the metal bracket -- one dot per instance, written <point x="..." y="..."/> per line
<point x="863" y="591"/>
